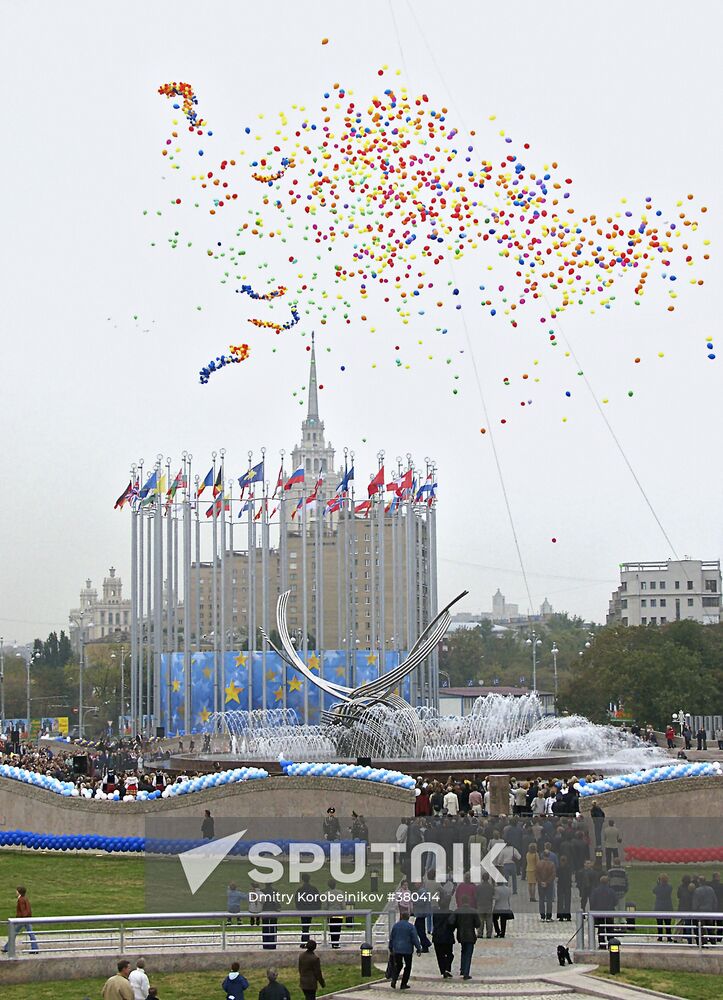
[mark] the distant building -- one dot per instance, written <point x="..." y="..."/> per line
<point x="655" y="593"/>
<point x="100" y="617"/>
<point x="460" y="700"/>
<point x="502" y="613"/>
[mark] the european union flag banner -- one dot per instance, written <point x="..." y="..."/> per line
<point x="245" y="676"/>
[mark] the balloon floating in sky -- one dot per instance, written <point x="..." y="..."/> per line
<point x="393" y="191"/>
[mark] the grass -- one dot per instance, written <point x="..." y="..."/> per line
<point x="690" y="985"/>
<point x="186" y="985"/>
<point x="641" y="880"/>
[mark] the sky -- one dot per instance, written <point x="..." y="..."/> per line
<point x="105" y="326"/>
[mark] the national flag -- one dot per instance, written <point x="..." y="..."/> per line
<point x="161" y="487"/>
<point x="220" y="505"/>
<point x="333" y="505"/>
<point x="150" y="485"/>
<point x="297" y="508"/>
<point x="125" y="496"/>
<point x="295" y="478"/>
<point x="246" y="506"/>
<point x="426" y="487"/>
<point x="363" y="508"/>
<point x="254" y="475"/>
<point x="262" y="506"/>
<point x="343" y="487"/>
<point x="403" y="484"/>
<point x="279" y="482"/>
<point x="273" y="512"/>
<point x="218" y="485"/>
<point x="178" y="483"/>
<point x="208" y="481"/>
<point x="432" y="496"/>
<point x="377" y="483"/>
<point x="393" y="504"/>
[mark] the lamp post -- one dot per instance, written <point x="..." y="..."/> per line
<point x="29" y="661"/>
<point x="555" y="651"/>
<point x="81" y="625"/>
<point x="121" y="721"/>
<point x="2" y="684"/>
<point x="533" y="642"/>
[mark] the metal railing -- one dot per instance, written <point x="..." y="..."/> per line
<point x="145" y="933"/>
<point x="651" y="928"/>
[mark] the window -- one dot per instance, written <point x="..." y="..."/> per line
<point x="643" y="621"/>
<point x="624" y="586"/>
<point x="653" y="602"/>
<point x="625" y="621"/>
<point x="643" y="585"/>
<point x="690" y="584"/>
<point x="663" y="621"/>
<point x="661" y="585"/>
<point x="653" y="621"/>
<point x="644" y="603"/>
<point x="652" y="584"/>
<point x="663" y="602"/>
<point x="690" y="602"/>
<point x="710" y="602"/>
<point x="677" y="584"/>
<point x="711" y="585"/>
<point x="624" y="603"/>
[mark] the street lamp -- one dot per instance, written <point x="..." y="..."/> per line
<point x="555" y="651"/>
<point x="81" y="625"/>
<point x="533" y="642"/>
<point x="121" y="726"/>
<point x="31" y="658"/>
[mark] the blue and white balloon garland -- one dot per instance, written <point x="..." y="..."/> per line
<point x="663" y="772"/>
<point x="334" y="770"/>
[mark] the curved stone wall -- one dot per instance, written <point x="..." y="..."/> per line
<point x="23" y="807"/>
<point x="702" y="797"/>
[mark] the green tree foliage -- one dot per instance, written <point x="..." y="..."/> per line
<point x="55" y="651"/>
<point x="651" y="672"/>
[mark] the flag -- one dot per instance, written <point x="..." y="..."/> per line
<point x="279" y="482"/>
<point x="254" y="475"/>
<point x="218" y="485"/>
<point x="403" y="484"/>
<point x="377" y="483"/>
<point x="178" y="483"/>
<point x="363" y="508"/>
<point x="208" y="481"/>
<point x="427" y="487"/>
<point x="246" y="506"/>
<point x="297" y="508"/>
<point x="150" y="485"/>
<point x="220" y="504"/>
<point x="295" y="478"/>
<point x="260" y="511"/>
<point x="333" y="505"/>
<point x="343" y="487"/>
<point x="161" y="487"/>
<point x="125" y="496"/>
<point x="393" y="504"/>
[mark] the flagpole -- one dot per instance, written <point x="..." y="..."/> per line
<point x="411" y="595"/>
<point x="432" y="584"/>
<point x="149" y="620"/>
<point x="187" y="458"/>
<point x="230" y="570"/>
<point x="170" y="617"/>
<point x="382" y="585"/>
<point x="141" y="577"/>
<point x="421" y="603"/>
<point x="304" y="599"/>
<point x="157" y="596"/>
<point x="264" y="578"/>
<point x="134" y="611"/>
<point x="318" y="576"/>
<point x="345" y="544"/>
<point x="373" y="517"/>
<point x="221" y="679"/>
<point x="352" y="585"/>
<point x="197" y="583"/>
<point x="283" y="566"/>
<point x="396" y="584"/>
<point x="251" y="544"/>
<point x="214" y="586"/>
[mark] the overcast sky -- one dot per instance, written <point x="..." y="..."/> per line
<point x="103" y="336"/>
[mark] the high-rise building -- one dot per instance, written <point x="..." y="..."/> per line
<point x="356" y="582"/>
<point x="100" y="617"/>
<point x="655" y="593"/>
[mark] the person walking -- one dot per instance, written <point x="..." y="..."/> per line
<point x="139" y="980"/>
<point x="466" y="922"/>
<point x="587" y="879"/>
<point x="502" y="908"/>
<point x="546" y="885"/>
<point x="598" y="818"/>
<point x="611" y="842"/>
<point x="235" y="985"/>
<point x="663" y="892"/>
<point x="403" y="942"/>
<point x="307" y="898"/>
<point x="422" y="908"/>
<point x="485" y="905"/>
<point x="702" y="738"/>
<point x="118" y="987"/>
<point x="506" y="861"/>
<point x="24" y="911"/>
<point x="670" y="736"/>
<point x="274" y="990"/>
<point x="564" y="889"/>
<point x="531" y="859"/>
<point x="207" y="825"/>
<point x="603" y="898"/>
<point x="310" y="974"/>
<point x="443" y="941"/>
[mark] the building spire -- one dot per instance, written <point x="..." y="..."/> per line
<point x="313" y="410"/>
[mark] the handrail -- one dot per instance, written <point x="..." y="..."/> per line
<point x="698" y="927"/>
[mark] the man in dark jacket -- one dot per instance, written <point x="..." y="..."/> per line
<point x="586" y="880"/>
<point x="403" y="942"/>
<point x="603" y="898"/>
<point x="274" y="990"/>
<point x="485" y="904"/>
<point x="310" y="974"/>
<point x="307" y="898"/>
<point x="443" y="940"/>
<point x="466" y="922"/>
<point x="207" y="826"/>
<point x="598" y="818"/>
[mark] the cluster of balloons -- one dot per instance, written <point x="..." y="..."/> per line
<point x="239" y="353"/>
<point x="273" y="293"/>
<point x="678" y="856"/>
<point x="184" y="90"/>
<point x="395" y="191"/>
<point x="333" y="770"/>
<point x="663" y="772"/>
<point x="214" y="780"/>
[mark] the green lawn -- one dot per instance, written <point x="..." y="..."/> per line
<point x="641" y="880"/>
<point x="186" y="985"/>
<point x="690" y="985"/>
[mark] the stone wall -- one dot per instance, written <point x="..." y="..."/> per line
<point x="24" y="807"/>
<point x="682" y="797"/>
